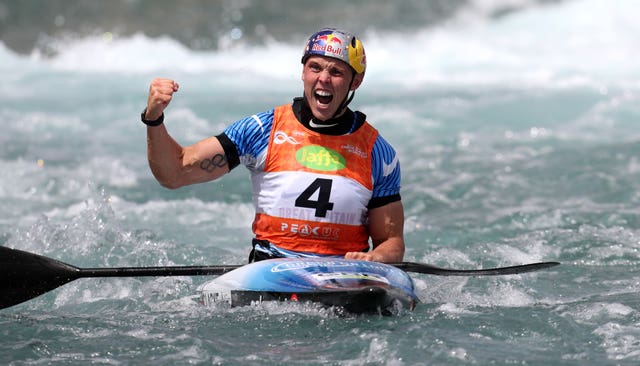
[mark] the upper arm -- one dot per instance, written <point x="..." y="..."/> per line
<point x="207" y="159"/>
<point x="175" y="166"/>
<point x="386" y="222"/>
<point x="204" y="161"/>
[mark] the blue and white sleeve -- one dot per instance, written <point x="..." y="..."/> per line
<point x="386" y="173"/>
<point x="250" y="136"/>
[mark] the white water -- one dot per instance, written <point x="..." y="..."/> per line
<point x="518" y="139"/>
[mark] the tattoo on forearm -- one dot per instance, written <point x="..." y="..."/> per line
<point x="210" y="165"/>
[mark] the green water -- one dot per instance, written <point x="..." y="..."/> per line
<point x="509" y="154"/>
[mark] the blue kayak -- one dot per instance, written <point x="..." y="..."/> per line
<point x="354" y="286"/>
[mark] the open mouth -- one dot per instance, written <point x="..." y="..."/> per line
<point x="324" y="97"/>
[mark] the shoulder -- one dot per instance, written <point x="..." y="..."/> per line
<point x="250" y="135"/>
<point x="385" y="168"/>
<point x="383" y="151"/>
<point x="258" y="123"/>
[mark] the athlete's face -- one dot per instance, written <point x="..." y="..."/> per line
<point x="326" y="84"/>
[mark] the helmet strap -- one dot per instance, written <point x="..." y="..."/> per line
<point x="347" y="98"/>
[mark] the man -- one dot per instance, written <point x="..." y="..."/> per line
<point x="324" y="180"/>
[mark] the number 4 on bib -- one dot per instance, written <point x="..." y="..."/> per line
<point x="321" y="204"/>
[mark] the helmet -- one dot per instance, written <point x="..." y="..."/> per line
<point x="344" y="46"/>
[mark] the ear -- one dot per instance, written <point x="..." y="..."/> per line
<point x="357" y="80"/>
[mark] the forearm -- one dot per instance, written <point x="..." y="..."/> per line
<point x="391" y="250"/>
<point x="165" y="156"/>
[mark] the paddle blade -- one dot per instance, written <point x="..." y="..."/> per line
<point x="429" y="269"/>
<point x="24" y="275"/>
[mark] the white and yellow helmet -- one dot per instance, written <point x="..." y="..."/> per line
<point x="344" y="46"/>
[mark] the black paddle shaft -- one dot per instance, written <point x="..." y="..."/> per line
<point x="25" y="275"/>
<point x="501" y="271"/>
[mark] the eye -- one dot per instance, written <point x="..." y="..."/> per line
<point x="314" y="67"/>
<point x="335" y="72"/>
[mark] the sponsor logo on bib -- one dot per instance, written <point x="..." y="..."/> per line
<point x="320" y="158"/>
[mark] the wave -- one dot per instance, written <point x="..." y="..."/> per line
<point x="203" y="24"/>
<point x="588" y="42"/>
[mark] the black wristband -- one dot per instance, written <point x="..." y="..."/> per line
<point x="154" y="123"/>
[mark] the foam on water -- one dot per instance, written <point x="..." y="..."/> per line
<point x="519" y="143"/>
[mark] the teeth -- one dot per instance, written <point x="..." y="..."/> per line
<point x="323" y="97"/>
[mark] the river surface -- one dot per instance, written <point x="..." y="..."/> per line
<point x="519" y="142"/>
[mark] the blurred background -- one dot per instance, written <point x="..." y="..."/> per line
<point x="204" y="25"/>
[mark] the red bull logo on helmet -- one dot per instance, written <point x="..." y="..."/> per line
<point x="328" y="44"/>
<point x="330" y="38"/>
